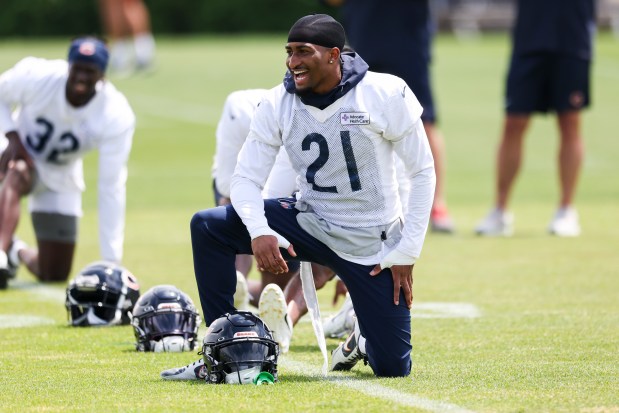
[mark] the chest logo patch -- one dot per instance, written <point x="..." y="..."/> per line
<point x="354" y="118"/>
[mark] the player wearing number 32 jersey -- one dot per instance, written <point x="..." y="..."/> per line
<point x="53" y="112"/>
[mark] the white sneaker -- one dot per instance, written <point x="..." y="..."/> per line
<point x="347" y="354"/>
<point x="241" y="296"/>
<point x="497" y="223"/>
<point x="194" y="371"/>
<point x="565" y="223"/>
<point x="274" y="312"/>
<point x="13" y="255"/>
<point x="341" y="323"/>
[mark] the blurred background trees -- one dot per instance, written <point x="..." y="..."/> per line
<point x="38" y="18"/>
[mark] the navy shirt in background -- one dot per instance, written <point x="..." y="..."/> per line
<point x="558" y="26"/>
<point x="388" y="29"/>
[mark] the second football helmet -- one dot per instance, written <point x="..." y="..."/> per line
<point x="237" y="348"/>
<point x="165" y="320"/>
<point x="102" y="294"/>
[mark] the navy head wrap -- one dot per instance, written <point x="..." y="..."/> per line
<point x="90" y="50"/>
<point x="318" y="29"/>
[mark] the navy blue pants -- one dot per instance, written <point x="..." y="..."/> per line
<point x="218" y="235"/>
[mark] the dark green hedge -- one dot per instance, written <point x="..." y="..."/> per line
<point x="24" y="18"/>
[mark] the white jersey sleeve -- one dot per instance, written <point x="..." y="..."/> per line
<point x="410" y="142"/>
<point x="113" y="157"/>
<point x="254" y="165"/>
<point x="232" y="130"/>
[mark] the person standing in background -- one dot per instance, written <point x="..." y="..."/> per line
<point x="127" y="25"/>
<point x="550" y="70"/>
<point x="395" y="37"/>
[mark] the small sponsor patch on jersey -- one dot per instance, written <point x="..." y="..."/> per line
<point x="354" y="118"/>
<point x="245" y="334"/>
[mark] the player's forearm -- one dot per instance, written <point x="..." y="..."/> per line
<point x="419" y="206"/>
<point x="247" y="200"/>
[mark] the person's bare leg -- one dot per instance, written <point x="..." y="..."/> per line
<point x="244" y="263"/>
<point x="17" y="183"/>
<point x="571" y="154"/>
<point x="440" y="221"/>
<point x="294" y="291"/>
<point x="138" y="19"/>
<point x="52" y="262"/>
<point x="114" y="21"/>
<point x="137" y="15"/>
<point x="437" y="146"/>
<point x="509" y="156"/>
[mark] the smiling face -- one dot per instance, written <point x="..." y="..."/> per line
<point x="310" y="67"/>
<point x="81" y="83"/>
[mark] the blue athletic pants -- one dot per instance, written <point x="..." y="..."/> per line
<point x="218" y="235"/>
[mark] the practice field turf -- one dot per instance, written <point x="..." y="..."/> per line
<point x="525" y="324"/>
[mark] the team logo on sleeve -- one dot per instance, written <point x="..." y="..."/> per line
<point x="354" y="118"/>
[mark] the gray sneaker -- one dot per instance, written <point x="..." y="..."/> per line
<point x="347" y="354"/>
<point x="193" y="371"/>
<point x="497" y="223"/>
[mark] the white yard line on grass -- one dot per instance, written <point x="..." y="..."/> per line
<point x="429" y="310"/>
<point x="378" y="391"/>
<point x="445" y="310"/>
<point x="41" y="291"/>
<point x="19" y="320"/>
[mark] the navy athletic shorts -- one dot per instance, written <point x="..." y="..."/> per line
<point x="546" y="82"/>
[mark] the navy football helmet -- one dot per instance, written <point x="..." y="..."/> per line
<point x="237" y="348"/>
<point x="165" y="320"/>
<point x="102" y="294"/>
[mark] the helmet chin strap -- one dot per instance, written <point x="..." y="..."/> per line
<point x="170" y="344"/>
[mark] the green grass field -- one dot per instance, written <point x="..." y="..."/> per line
<point x="541" y="333"/>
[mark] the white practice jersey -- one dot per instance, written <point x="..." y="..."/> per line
<point x="232" y="131"/>
<point x="58" y="135"/>
<point x="344" y="156"/>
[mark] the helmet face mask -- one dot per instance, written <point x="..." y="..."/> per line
<point x="165" y="320"/>
<point x="237" y="347"/>
<point x="102" y="294"/>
